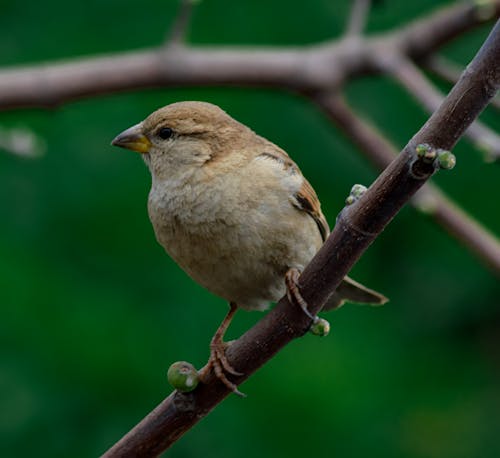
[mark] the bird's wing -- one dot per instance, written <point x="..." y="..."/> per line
<point x="305" y="199"/>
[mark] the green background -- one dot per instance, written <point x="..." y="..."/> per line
<point x="92" y="312"/>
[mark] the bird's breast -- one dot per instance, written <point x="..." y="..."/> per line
<point x="235" y="244"/>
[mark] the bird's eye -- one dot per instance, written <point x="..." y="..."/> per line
<point x="165" y="132"/>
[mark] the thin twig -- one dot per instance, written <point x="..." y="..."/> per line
<point x="357" y="227"/>
<point x="430" y="199"/>
<point x="426" y="35"/>
<point x="357" y="18"/>
<point x="179" y="29"/>
<point x="444" y="68"/>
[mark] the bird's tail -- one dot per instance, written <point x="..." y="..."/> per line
<point x="352" y="291"/>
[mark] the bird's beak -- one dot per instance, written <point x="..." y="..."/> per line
<point x="133" y="139"/>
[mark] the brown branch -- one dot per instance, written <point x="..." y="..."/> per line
<point x="357" y="227"/>
<point x="319" y="67"/>
<point x="426" y="35"/>
<point x="430" y="199"/>
<point x="411" y="78"/>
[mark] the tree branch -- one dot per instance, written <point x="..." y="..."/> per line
<point x="319" y="67"/>
<point x="357" y="227"/>
<point x="426" y="35"/>
<point x="430" y="199"/>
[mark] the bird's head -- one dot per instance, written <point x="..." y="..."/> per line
<point x="182" y="137"/>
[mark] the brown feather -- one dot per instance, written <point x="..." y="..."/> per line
<point x="305" y="199"/>
<point x="309" y="202"/>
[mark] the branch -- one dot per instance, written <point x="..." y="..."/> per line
<point x="178" y="31"/>
<point x="425" y="36"/>
<point x="357" y="19"/>
<point x="410" y="77"/>
<point x="430" y="199"/>
<point x="357" y="227"/>
<point x="320" y="67"/>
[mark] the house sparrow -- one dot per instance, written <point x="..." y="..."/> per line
<point x="233" y="210"/>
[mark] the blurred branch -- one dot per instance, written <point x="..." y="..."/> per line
<point x="430" y="199"/>
<point x="319" y="67"/>
<point x="410" y="77"/>
<point x="426" y="35"/>
<point x="450" y="72"/>
<point x="445" y="69"/>
<point x="357" y="227"/>
<point x="177" y="33"/>
<point x="358" y="17"/>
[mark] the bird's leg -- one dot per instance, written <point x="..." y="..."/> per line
<point x="293" y="293"/>
<point x="218" y="360"/>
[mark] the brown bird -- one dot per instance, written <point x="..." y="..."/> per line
<point x="233" y="210"/>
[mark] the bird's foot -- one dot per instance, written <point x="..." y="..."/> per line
<point x="221" y="366"/>
<point x="293" y="293"/>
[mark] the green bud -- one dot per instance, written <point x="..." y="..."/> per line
<point x="183" y="376"/>
<point x="426" y="153"/>
<point x="446" y="159"/>
<point x="358" y="190"/>
<point x="320" y="327"/>
<point x="422" y="149"/>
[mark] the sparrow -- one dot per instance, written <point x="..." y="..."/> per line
<point x="233" y="211"/>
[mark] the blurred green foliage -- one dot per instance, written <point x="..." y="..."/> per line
<point x="92" y="312"/>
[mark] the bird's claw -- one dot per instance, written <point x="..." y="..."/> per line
<point x="293" y="293"/>
<point x="221" y="366"/>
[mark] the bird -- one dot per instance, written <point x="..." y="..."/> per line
<point x="233" y="210"/>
